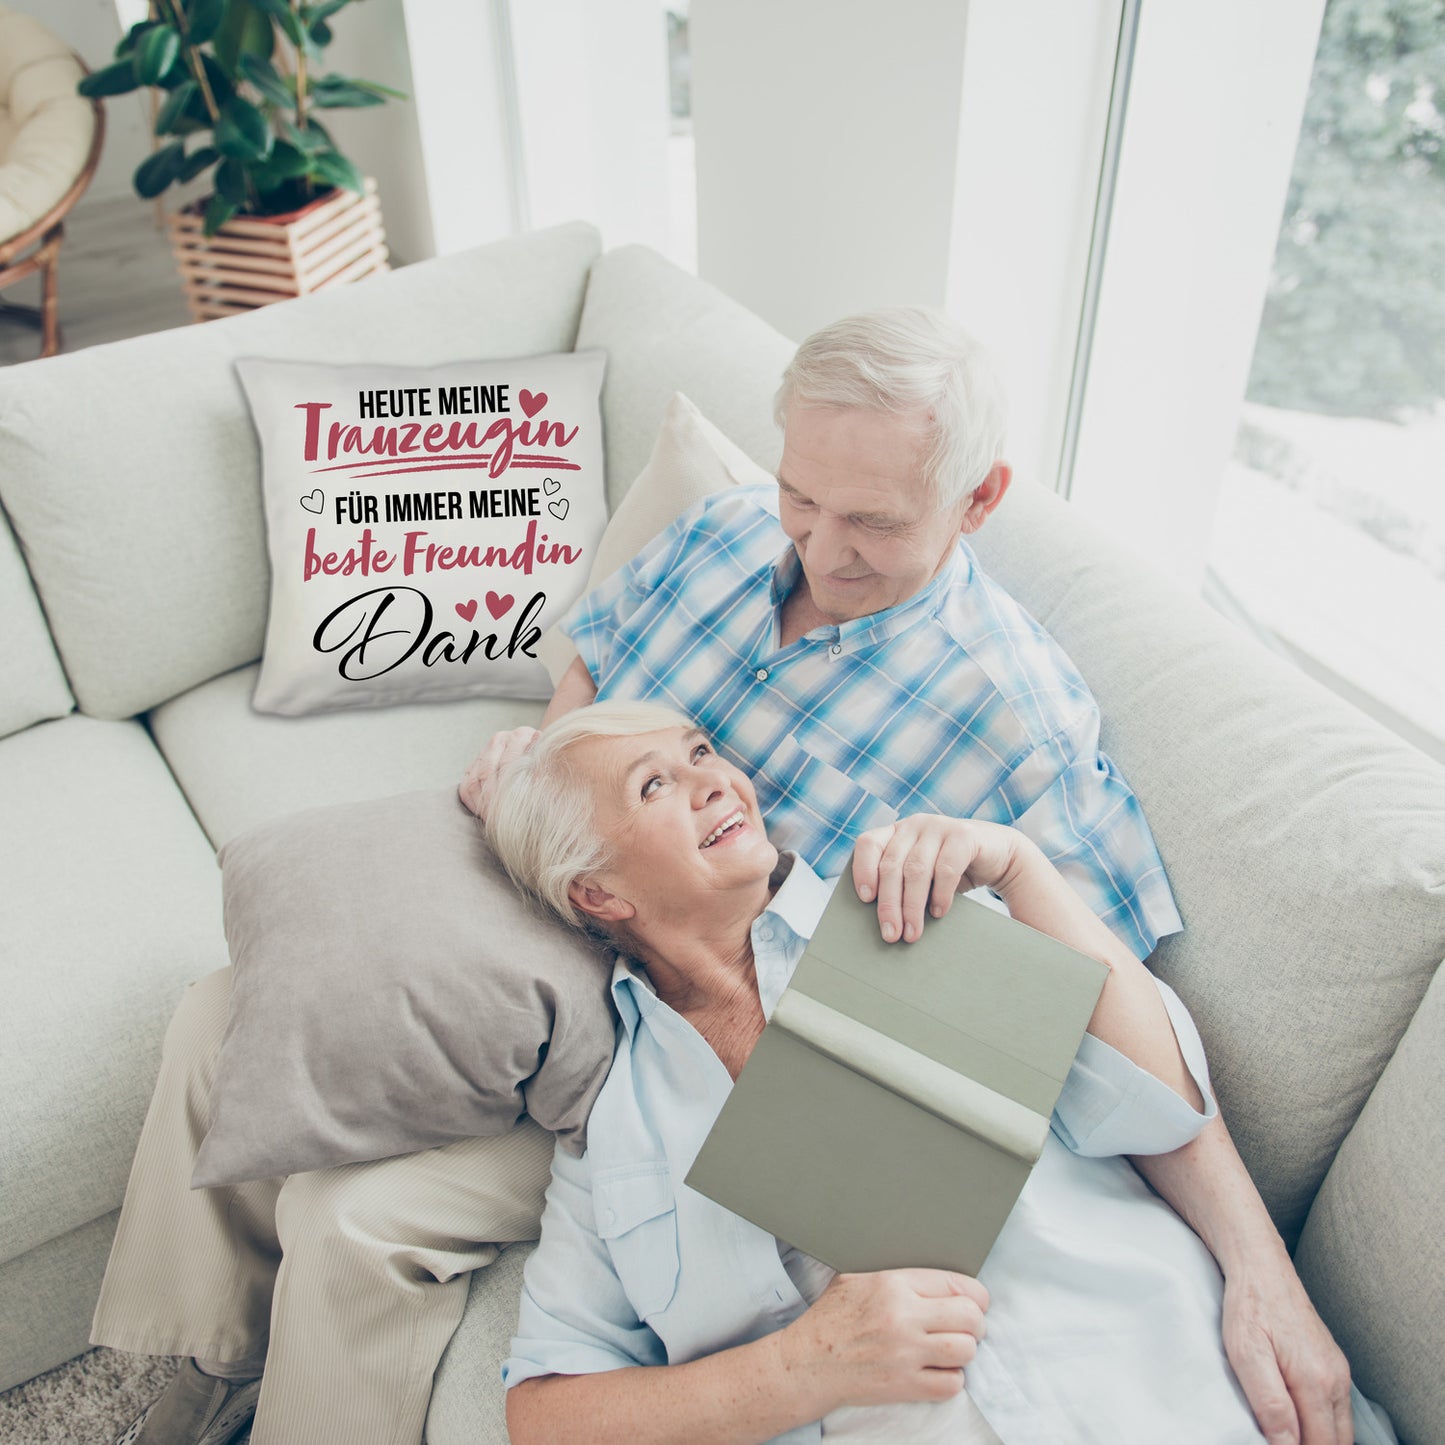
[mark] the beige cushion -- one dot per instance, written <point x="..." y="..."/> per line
<point x="32" y="684"/>
<point x="392" y="993"/>
<point x="1302" y="842"/>
<point x="46" y="135"/>
<point x="1373" y="1250"/>
<point x="140" y="513"/>
<point x="691" y="459"/>
<point x="109" y="905"/>
<point x="24" y="42"/>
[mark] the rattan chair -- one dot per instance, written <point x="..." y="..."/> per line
<point x="50" y="139"/>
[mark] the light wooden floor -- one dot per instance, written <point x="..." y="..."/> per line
<point x="117" y="279"/>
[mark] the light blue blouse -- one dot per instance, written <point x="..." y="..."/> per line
<point x="1105" y="1316"/>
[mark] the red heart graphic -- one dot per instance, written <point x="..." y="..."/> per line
<point x="467" y="610"/>
<point x="531" y="404"/>
<point x="498" y="605"/>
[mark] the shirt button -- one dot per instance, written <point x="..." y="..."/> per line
<point x="765" y="933"/>
<point x="836" y="648"/>
<point x="761" y="674"/>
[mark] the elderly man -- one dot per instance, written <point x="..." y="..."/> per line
<point x="838" y="640"/>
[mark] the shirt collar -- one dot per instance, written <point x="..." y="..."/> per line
<point x="878" y="626"/>
<point x="779" y="933"/>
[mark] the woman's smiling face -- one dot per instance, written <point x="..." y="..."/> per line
<point x="681" y="823"/>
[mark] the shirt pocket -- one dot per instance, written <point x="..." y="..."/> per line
<point x="817" y="810"/>
<point x="636" y="1212"/>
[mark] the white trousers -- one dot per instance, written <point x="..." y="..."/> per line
<point x="350" y="1281"/>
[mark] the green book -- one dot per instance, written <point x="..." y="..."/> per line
<point x="900" y="1094"/>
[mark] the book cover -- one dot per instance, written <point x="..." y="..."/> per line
<point x="900" y="1094"/>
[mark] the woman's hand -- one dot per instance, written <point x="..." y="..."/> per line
<point x="918" y="864"/>
<point x="475" y="788"/>
<point x="897" y="1335"/>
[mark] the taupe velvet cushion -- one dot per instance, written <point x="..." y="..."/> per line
<point x="393" y="993"/>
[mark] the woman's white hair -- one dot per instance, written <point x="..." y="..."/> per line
<point x="908" y="360"/>
<point x="542" y="819"/>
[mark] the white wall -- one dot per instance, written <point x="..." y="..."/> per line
<point x="384" y="140"/>
<point x="460" y="147"/>
<point x="827" y="147"/>
<point x="592" y="107"/>
<point x="1036" y="83"/>
<point x="937" y="153"/>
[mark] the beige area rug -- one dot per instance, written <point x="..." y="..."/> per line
<point x="86" y="1402"/>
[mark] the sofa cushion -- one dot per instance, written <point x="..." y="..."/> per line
<point x="32" y="683"/>
<point x="109" y="905"/>
<point x="1372" y="1254"/>
<point x="425" y="524"/>
<point x="1302" y="841"/>
<point x="664" y="331"/>
<point x="468" y="1404"/>
<point x="238" y="767"/>
<point x="393" y="993"/>
<point x="132" y="475"/>
<point x="47" y="1297"/>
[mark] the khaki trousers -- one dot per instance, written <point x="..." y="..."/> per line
<point x="350" y="1281"/>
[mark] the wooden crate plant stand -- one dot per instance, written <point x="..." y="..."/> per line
<point x="255" y="260"/>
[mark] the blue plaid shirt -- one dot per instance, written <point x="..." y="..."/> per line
<point x="954" y="702"/>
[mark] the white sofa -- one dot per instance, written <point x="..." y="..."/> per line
<point x="1306" y="846"/>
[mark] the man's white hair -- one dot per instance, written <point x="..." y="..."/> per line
<point x="542" y="820"/>
<point x="908" y="360"/>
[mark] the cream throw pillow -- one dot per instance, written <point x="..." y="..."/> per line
<point x="691" y="459"/>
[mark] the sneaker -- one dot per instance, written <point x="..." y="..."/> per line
<point x="195" y="1409"/>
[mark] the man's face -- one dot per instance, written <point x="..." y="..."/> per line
<point x="853" y="501"/>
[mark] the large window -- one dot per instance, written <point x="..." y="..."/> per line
<point x="1330" y="528"/>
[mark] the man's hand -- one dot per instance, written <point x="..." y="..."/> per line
<point x="475" y="788"/>
<point x="1295" y="1377"/>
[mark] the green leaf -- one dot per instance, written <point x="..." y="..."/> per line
<point x="333" y="92"/>
<point x="287" y="163"/>
<point x="157" y="52"/>
<point x="244" y="31"/>
<point x="197" y="161"/>
<point x="242" y="132"/>
<point x="174" y="108"/>
<point x="218" y="212"/>
<point x="285" y="17"/>
<point x="222" y="85"/>
<point x="131" y="38"/>
<point x="231" y="182"/>
<point x="333" y="168"/>
<point x="157" y="171"/>
<point x="313" y="140"/>
<point x="320" y="34"/>
<point x="377" y="88"/>
<point x="117" y="79"/>
<point x="278" y="89"/>
<point x="203" y="19"/>
<point x="324" y="11"/>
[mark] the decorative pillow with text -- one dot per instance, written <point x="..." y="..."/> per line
<point x="425" y="525"/>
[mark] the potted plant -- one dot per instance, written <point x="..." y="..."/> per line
<point x="240" y="84"/>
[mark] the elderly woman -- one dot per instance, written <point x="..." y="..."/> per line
<point x="653" y="1314"/>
